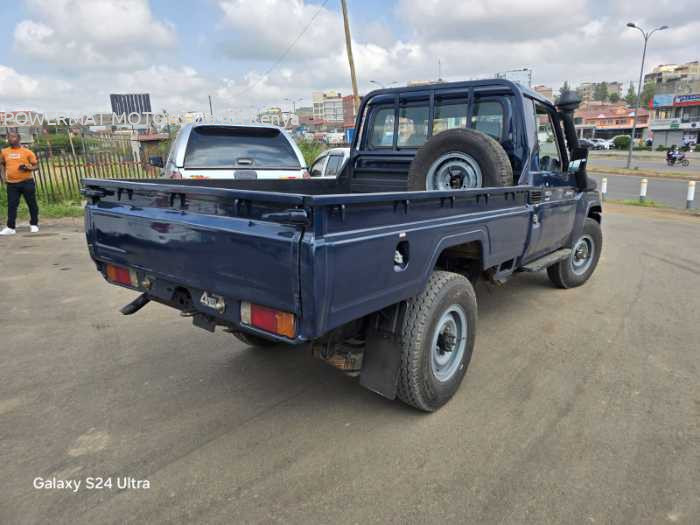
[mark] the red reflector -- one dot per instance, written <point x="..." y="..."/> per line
<point x="264" y="318"/>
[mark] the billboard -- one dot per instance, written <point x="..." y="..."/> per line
<point x="130" y="103"/>
<point x="687" y="100"/>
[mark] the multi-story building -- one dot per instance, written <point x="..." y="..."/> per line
<point x="545" y="91"/>
<point x="605" y="120"/>
<point x="676" y="104"/>
<point x="328" y="107"/>
<point x="586" y="90"/>
<point x="665" y="73"/>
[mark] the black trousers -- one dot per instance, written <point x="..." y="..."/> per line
<point x="15" y="190"/>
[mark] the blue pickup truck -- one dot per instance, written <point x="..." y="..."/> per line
<point x="446" y="184"/>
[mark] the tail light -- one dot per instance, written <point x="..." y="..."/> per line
<point x="268" y="319"/>
<point x="125" y="276"/>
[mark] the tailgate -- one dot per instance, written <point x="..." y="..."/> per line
<point x="205" y="239"/>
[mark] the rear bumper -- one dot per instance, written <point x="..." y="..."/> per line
<point x="186" y="299"/>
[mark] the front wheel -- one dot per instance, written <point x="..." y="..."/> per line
<point x="580" y="265"/>
<point x="437" y="339"/>
<point x="685" y="162"/>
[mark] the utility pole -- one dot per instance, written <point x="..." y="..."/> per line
<point x="348" y="46"/>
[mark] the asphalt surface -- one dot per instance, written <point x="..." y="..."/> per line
<point x="668" y="192"/>
<point x="644" y="163"/>
<point x="580" y="406"/>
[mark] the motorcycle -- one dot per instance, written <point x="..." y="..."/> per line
<point x="677" y="158"/>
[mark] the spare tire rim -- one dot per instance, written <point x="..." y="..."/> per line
<point x="582" y="255"/>
<point x="454" y="171"/>
<point x="448" y="344"/>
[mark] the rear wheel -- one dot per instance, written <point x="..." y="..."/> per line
<point x="437" y="339"/>
<point x="580" y="265"/>
<point x="253" y="340"/>
<point x="459" y="159"/>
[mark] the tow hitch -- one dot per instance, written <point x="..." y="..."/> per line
<point x="135" y="305"/>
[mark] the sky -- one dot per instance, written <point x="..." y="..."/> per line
<point x="69" y="55"/>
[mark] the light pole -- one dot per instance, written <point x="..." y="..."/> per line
<point x="383" y="86"/>
<point x="646" y="36"/>
<point x="294" y="101"/>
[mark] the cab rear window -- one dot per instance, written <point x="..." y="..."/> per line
<point x="226" y="147"/>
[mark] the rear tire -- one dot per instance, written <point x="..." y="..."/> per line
<point x="253" y="340"/>
<point x="459" y="159"/>
<point x="580" y="265"/>
<point x="437" y="339"/>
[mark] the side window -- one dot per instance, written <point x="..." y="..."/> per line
<point x="382" y="133"/>
<point x="333" y="165"/>
<point x="488" y="117"/>
<point x="448" y="116"/>
<point x="413" y="126"/>
<point x="317" y="167"/>
<point x="547" y="157"/>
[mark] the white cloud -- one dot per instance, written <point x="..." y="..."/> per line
<point x="84" y="34"/>
<point x="264" y="29"/>
<point x="16" y="86"/>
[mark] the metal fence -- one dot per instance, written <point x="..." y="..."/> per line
<point x="59" y="174"/>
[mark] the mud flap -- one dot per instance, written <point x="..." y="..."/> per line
<point x="382" y="356"/>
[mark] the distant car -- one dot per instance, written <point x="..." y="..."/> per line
<point x="587" y="143"/>
<point x="223" y="151"/>
<point x="601" y="143"/>
<point x="330" y="163"/>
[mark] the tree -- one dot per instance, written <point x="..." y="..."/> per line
<point x="648" y="93"/>
<point x="631" y="96"/>
<point x="600" y="92"/>
<point x="614" y="97"/>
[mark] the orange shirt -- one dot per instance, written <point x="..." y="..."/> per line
<point x="14" y="158"/>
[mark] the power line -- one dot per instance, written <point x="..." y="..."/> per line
<point x="286" y="51"/>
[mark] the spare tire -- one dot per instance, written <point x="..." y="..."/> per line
<point x="459" y="159"/>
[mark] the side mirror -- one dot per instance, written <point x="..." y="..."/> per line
<point x="156" y="161"/>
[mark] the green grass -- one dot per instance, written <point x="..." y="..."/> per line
<point x="646" y="204"/>
<point x="50" y="210"/>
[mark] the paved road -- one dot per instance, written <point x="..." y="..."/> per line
<point x="669" y="192"/>
<point x="644" y="163"/>
<point x="580" y="406"/>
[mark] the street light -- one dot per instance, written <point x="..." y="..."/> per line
<point x="383" y="86"/>
<point x="293" y="102"/>
<point x="646" y="36"/>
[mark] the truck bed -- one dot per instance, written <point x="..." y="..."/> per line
<point x="307" y="247"/>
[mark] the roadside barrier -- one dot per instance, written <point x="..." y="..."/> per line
<point x="691" y="194"/>
<point x="643" y="190"/>
<point x="604" y="187"/>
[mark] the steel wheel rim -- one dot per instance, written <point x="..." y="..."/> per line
<point x="449" y="343"/>
<point x="454" y="171"/>
<point x="582" y="255"/>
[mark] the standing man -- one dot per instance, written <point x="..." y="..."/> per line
<point x="19" y="166"/>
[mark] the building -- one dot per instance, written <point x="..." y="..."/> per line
<point x="587" y="90"/>
<point x="349" y="112"/>
<point x="666" y="73"/>
<point x="605" y="120"/>
<point x="676" y="119"/>
<point x="675" y="106"/>
<point x="546" y="91"/>
<point x="328" y="107"/>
